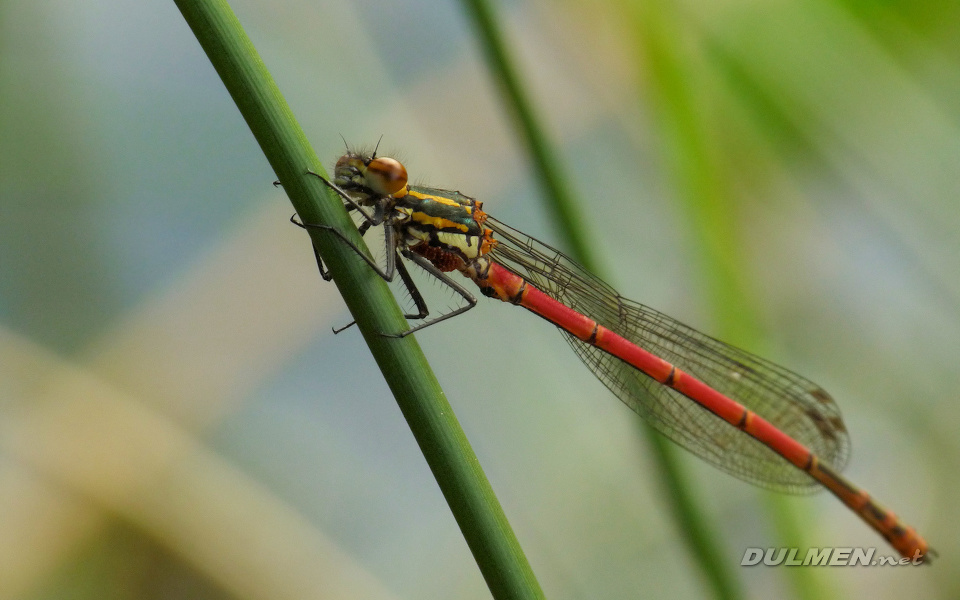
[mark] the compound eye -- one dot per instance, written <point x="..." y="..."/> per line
<point x="386" y="175"/>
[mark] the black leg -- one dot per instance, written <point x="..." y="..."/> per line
<point x="422" y="309"/>
<point x="324" y="273"/>
<point x="427" y="266"/>
<point x="351" y="205"/>
<point x="337" y="330"/>
<point x="388" y="233"/>
<point x="374" y="219"/>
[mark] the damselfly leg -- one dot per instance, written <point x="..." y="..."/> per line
<point x="389" y="234"/>
<point x="443" y="278"/>
<point x="396" y="266"/>
<point x="369" y="220"/>
<point x="411" y="288"/>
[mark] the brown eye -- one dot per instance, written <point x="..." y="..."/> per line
<point x="386" y="175"/>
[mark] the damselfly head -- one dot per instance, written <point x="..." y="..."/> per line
<point x="381" y="175"/>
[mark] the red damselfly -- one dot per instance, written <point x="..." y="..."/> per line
<point x="745" y="415"/>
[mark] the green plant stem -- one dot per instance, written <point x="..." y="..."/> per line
<point x="678" y="98"/>
<point x="686" y="153"/>
<point x="699" y="537"/>
<point x="564" y="207"/>
<point x="792" y="522"/>
<point x="431" y="419"/>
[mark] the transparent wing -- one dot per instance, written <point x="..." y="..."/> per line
<point x="793" y="404"/>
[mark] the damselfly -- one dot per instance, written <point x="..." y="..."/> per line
<point x="743" y="414"/>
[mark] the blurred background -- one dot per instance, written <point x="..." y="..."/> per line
<point x="178" y="421"/>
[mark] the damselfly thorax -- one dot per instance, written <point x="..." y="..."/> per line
<point x="443" y="226"/>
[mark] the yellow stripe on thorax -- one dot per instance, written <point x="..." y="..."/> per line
<point x="439" y="199"/>
<point x="438" y="222"/>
